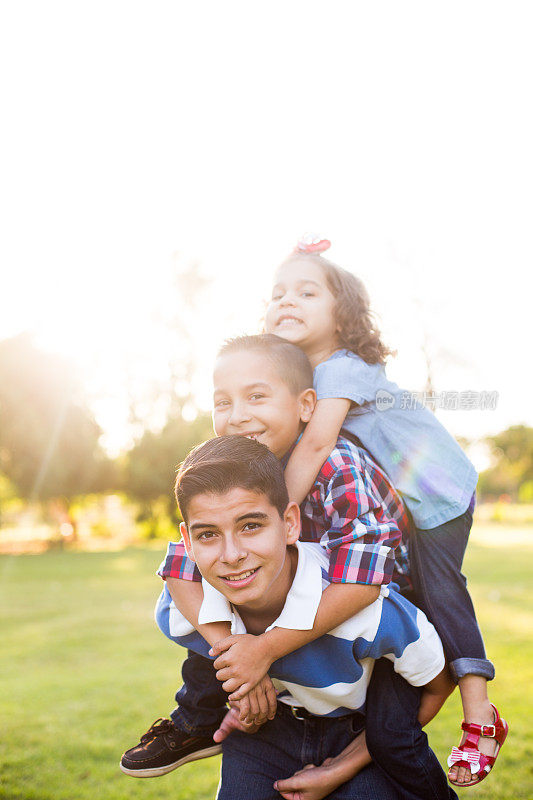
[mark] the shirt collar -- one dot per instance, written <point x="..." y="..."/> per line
<point x="300" y="607"/>
<point x="337" y="354"/>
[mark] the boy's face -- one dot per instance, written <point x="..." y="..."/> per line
<point x="251" y="400"/>
<point x="239" y="542"/>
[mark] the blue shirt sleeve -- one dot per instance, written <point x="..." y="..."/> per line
<point x="406" y="637"/>
<point x="346" y="376"/>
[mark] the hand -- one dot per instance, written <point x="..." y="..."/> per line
<point x="259" y="704"/>
<point x="243" y="660"/>
<point x="310" y="783"/>
<point x="231" y="722"/>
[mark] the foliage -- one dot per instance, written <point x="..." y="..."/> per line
<point x="512" y="471"/>
<point x="502" y="510"/>
<point x="163" y="394"/>
<point x="100" y="673"/>
<point x="150" y="465"/>
<point x="8" y="494"/>
<point x="515" y="446"/>
<point x="525" y="492"/>
<point x="158" y="520"/>
<point x="48" y="438"/>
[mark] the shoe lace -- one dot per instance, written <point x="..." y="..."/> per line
<point x="159" y="728"/>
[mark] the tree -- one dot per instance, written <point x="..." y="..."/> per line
<point x="48" y="438"/>
<point x="514" y="447"/>
<point x="175" y="326"/>
<point x="149" y="468"/>
<point x="512" y="471"/>
<point x="150" y="465"/>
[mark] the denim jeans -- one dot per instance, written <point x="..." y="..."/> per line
<point x="395" y="740"/>
<point x="393" y="733"/>
<point x="436" y="557"/>
<point x="201" y="700"/>
<point x="252" y="762"/>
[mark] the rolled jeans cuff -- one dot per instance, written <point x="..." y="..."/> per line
<point x="471" y="666"/>
<point x="198" y="726"/>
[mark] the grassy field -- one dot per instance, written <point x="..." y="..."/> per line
<point x="84" y="672"/>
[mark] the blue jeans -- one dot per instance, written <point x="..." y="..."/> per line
<point x="436" y="557"/>
<point x="201" y="700"/>
<point x="252" y="762"/>
<point x="393" y="733"/>
<point x="395" y="740"/>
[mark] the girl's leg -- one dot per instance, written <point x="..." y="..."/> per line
<point x="436" y="557"/>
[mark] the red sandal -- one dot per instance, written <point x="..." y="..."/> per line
<point x="467" y="755"/>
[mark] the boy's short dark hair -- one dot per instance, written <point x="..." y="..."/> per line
<point x="289" y="360"/>
<point x="227" y="462"/>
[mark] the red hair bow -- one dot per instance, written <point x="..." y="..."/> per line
<point x="312" y="244"/>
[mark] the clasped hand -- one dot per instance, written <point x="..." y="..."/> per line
<point x="242" y="663"/>
<point x="310" y="783"/>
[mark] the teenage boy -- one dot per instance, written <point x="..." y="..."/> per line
<point x="262" y="390"/>
<point x="242" y="532"/>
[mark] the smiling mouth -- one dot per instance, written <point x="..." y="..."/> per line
<point x="241" y="578"/>
<point x="289" y="321"/>
<point x="253" y="435"/>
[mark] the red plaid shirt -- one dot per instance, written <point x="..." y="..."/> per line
<point x="355" y="514"/>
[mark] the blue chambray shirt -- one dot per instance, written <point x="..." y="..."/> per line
<point x="424" y="462"/>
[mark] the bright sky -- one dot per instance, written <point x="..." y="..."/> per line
<point x="221" y="131"/>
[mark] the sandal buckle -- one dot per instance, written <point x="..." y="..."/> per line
<point x="488" y="730"/>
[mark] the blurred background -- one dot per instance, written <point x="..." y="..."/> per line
<point x="158" y="161"/>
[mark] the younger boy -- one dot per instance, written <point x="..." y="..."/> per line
<point x="242" y="532"/>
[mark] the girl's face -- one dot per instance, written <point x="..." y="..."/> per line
<point x="302" y="308"/>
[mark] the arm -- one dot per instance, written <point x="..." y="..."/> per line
<point x="361" y="533"/>
<point x="188" y="597"/>
<point x="184" y="586"/>
<point x="317" y="442"/>
<point x="434" y="695"/>
<point x="184" y="583"/>
<point x="244" y="659"/>
<point x="314" y="783"/>
<point x="260" y="701"/>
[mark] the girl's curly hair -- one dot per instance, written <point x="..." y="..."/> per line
<point x="357" y="329"/>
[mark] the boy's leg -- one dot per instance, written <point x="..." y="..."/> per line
<point x="369" y="784"/>
<point x="395" y="740"/>
<point x="251" y="763"/>
<point x="201" y="700"/>
<point x="188" y="735"/>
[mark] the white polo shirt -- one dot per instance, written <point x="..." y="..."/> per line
<point x="330" y="676"/>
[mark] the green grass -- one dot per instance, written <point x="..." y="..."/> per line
<point x="84" y="671"/>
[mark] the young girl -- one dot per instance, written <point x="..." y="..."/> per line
<point x="325" y="310"/>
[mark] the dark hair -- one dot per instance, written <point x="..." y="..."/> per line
<point x="226" y="462"/>
<point x="291" y="363"/>
<point x="357" y="330"/>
